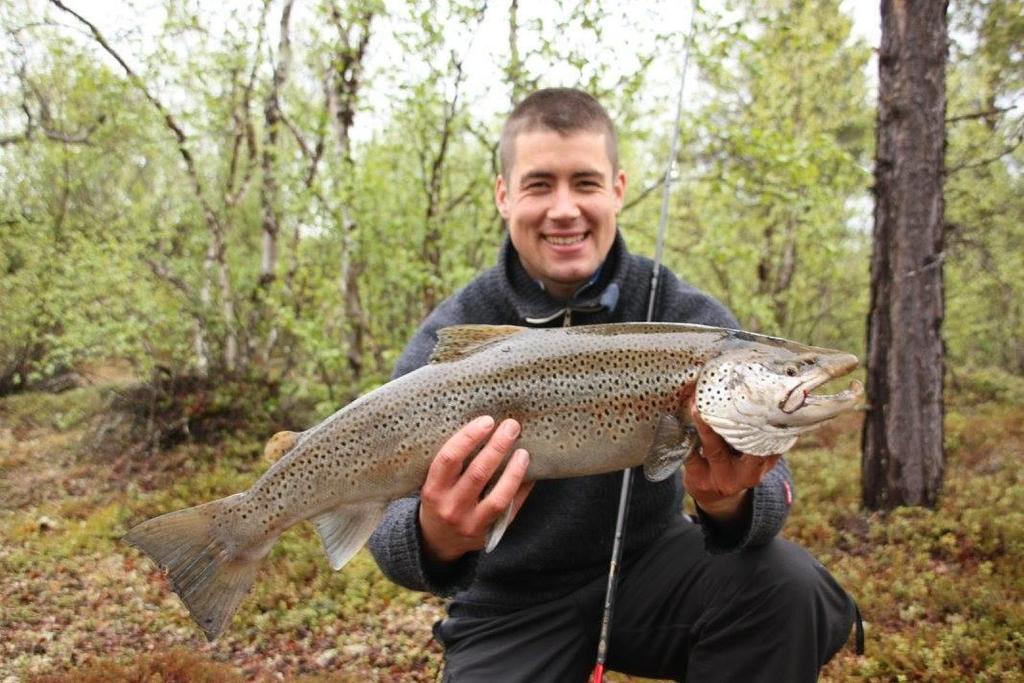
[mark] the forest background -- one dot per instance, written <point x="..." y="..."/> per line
<point x="218" y="220"/>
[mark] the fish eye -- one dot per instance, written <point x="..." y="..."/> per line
<point x="791" y="371"/>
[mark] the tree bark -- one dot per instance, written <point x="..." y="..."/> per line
<point x="902" y="456"/>
<point x="344" y="80"/>
<point x="272" y="118"/>
<point x="433" y="188"/>
<point x="515" y="62"/>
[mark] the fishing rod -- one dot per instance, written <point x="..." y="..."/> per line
<point x="627" y="474"/>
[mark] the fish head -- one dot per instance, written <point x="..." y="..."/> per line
<point x="758" y="396"/>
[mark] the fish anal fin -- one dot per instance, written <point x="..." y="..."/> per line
<point x="460" y="341"/>
<point x="673" y="443"/>
<point x="344" y="530"/>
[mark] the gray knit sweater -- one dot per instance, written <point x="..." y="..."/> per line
<point x="562" y="536"/>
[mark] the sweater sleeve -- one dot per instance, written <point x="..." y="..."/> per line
<point x="773" y="496"/>
<point x="397" y="544"/>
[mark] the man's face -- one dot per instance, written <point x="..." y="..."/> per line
<point x="561" y="202"/>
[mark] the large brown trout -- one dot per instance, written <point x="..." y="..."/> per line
<point x="589" y="399"/>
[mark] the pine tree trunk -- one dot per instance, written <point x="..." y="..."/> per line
<point x="902" y="461"/>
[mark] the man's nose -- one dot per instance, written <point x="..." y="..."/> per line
<point x="565" y="207"/>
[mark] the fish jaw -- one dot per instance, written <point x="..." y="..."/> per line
<point x="758" y="398"/>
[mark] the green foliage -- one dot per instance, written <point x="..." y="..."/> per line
<point x="773" y="171"/>
<point x="106" y="245"/>
<point x="70" y="280"/>
<point x="984" y="198"/>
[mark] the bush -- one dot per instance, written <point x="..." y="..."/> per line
<point x="974" y="386"/>
<point x="157" y="415"/>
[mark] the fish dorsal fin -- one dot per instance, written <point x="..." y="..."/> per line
<point x="459" y="341"/>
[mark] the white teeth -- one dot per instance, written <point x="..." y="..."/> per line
<point x="565" y="241"/>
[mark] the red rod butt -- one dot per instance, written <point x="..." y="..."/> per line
<point x="598" y="675"/>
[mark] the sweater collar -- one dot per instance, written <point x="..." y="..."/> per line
<point x="537" y="307"/>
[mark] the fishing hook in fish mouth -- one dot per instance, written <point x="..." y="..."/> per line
<point x="805" y="397"/>
<point x="805" y="388"/>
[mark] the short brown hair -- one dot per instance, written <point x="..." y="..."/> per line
<point x="562" y="110"/>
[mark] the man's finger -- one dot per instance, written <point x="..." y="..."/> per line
<point x="482" y="468"/>
<point x="446" y="467"/>
<point x="770" y="462"/>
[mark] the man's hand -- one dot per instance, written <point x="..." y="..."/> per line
<point x="718" y="476"/>
<point x="454" y="519"/>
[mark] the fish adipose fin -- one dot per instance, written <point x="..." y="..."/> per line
<point x="280" y="444"/>
<point x="672" y="445"/>
<point x="346" y="529"/>
<point x="498" y="528"/>
<point x="459" y="341"/>
<point x="209" y="577"/>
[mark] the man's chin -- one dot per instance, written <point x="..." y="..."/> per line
<point x="572" y="278"/>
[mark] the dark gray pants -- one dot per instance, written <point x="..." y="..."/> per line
<point x="765" y="614"/>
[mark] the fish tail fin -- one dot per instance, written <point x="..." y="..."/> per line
<point x="210" y="577"/>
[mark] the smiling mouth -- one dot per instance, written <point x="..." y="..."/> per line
<point x="564" y="241"/>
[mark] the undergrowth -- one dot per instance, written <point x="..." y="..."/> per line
<point x="940" y="589"/>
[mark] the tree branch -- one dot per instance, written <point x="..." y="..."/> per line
<point x="1009" y="149"/>
<point x="643" y="194"/>
<point x="988" y="113"/>
<point x="243" y="124"/>
<point x="169" y="120"/>
<point x="45" y="119"/>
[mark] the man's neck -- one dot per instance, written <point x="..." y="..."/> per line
<point x="561" y="291"/>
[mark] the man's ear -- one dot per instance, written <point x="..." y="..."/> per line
<point x="501" y="196"/>
<point x="619" y="188"/>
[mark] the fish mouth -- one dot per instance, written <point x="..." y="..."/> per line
<point x="818" y="407"/>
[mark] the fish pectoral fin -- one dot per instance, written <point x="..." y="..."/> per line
<point x="499" y="527"/>
<point x="459" y="341"/>
<point x="346" y="529"/>
<point x="672" y="445"/>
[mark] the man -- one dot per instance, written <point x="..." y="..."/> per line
<point x="722" y="600"/>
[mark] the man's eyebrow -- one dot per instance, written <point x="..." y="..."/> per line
<point x="545" y="175"/>
<point x="541" y="174"/>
